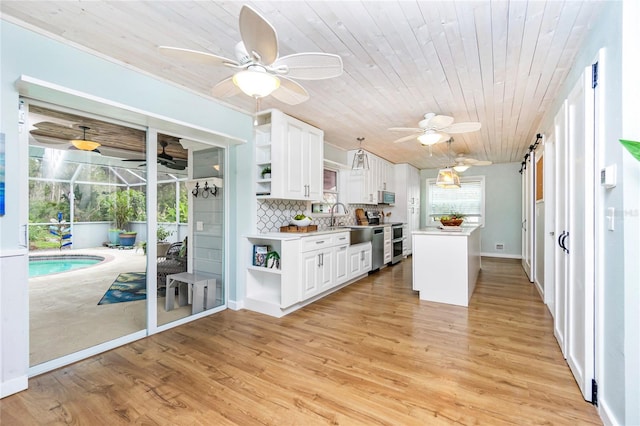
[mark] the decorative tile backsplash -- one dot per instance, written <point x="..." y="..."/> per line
<point x="272" y="214"/>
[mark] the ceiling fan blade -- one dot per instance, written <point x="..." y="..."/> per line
<point x="290" y="92"/>
<point x="258" y="35"/>
<point x="470" y="126"/>
<point x="439" y="122"/>
<point x="406" y="138"/>
<point x="405" y="129"/>
<point x="482" y="163"/>
<point x="225" y="89"/>
<point x="310" y="65"/>
<point x="195" y="56"/>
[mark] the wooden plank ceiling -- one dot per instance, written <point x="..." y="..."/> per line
<point x="497" y="62"/>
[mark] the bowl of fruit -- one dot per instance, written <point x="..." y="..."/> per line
<point x="301" y="220"/>
<point x="454" y="219"/>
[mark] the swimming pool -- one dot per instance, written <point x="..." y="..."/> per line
<point x="55" y="264"/>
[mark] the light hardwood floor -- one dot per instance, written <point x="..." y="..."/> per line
<point x="372" y="353"/>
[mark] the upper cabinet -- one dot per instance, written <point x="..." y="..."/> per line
<point x="289" y="158"/>
<point x="365" y="184"/>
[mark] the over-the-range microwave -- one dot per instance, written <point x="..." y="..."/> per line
<point x="386" y="197"/>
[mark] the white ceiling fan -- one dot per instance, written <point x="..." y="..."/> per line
<point x="260" y="72"/>
<point x="462" y="163"/>
<point x="435" y="129"/>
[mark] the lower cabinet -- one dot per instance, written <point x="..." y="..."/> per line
<point x="317" y="272"/>
<point x="388" y="249"/>
<point x="359" y="258"/>
<point x="309" y="266"/>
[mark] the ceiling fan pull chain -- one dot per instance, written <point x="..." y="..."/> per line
<point x="255" y="120"/>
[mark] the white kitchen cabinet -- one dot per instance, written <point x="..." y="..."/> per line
<point x="322" y="263"/>
<point x="317" y="272"/>
<point x="294" y="152"/>
<point x="364" y="184"/>
<point x="311" y="266"/>
<point x="359" y="259"/>
<point x="341" y="264"/>
<point x="387" y="245"/>
<point x="407" y="207"/>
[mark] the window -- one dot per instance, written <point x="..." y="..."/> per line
<point x="330" y="192"/>
<point x="468" y="200"/>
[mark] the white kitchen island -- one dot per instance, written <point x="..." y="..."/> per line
<point x="446" y="264"/>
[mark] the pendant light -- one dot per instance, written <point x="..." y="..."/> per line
<point x="84" y="144"/>
<point x="447" y="177"/>
<point x="360" y="158"/>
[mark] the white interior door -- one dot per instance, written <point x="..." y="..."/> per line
<point x="549" y="222"/>
<point x="560" y="276"/>
<point x="580" y="243"/>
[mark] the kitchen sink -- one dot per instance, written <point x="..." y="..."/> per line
<point x="361" y="235"/>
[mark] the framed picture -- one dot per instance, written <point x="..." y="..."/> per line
<point x="260" y="255"/>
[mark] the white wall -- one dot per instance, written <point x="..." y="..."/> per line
<point x="27" y="53"/>
<point x="503" y="194"/>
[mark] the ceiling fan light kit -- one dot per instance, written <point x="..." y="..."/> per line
<point x="84" y="144"/>
<point x="429" y="137"/>
<point x="256" y="82"/>
<point x="460" y="168"/>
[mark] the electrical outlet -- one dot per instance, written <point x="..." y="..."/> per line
<point x="499" y="246"/>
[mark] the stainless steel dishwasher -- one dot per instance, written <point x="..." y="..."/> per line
<point x="377" y="248"/>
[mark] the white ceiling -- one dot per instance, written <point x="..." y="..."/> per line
<point x="497" y="62"/>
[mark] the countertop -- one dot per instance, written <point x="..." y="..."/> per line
<point x="464" y="230"/>
<point x="296" y="235"/>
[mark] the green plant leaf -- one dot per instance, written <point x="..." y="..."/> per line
<point x="633" y="147"/>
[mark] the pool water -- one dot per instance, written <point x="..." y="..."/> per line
<point x="40" y="267"/>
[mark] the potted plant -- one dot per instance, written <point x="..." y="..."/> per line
<point x="272" y="260"/>
<point x="123" y="206"/>
<point x="162" y="234"/>
<point x="266" y="172"/>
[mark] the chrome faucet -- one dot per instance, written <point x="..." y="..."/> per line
<point x="332" y="220"/>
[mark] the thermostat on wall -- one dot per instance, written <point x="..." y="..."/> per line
<point x="608" y="176"/>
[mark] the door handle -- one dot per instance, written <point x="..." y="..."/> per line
<point x="564" y="245"/>
<point x="560" y="240"/>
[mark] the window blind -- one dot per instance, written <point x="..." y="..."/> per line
<point x="468" y="199"/>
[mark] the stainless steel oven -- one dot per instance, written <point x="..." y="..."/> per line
<point x="396" y="242"/>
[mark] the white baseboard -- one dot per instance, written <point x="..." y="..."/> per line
<point x="540" y="290"/>
<point x="607" y="417"/>
<point x="13" y="386"/>
<point x="235" y="305"/>
<point x="502" y="255"/>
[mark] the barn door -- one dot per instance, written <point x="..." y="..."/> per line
<point x="560" y="295"/>
<point x="574" y="290"/>
<point x="580" y="243"/>
<point x="528" y="216"/>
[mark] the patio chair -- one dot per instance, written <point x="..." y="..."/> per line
<point x="174" y="262"/>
